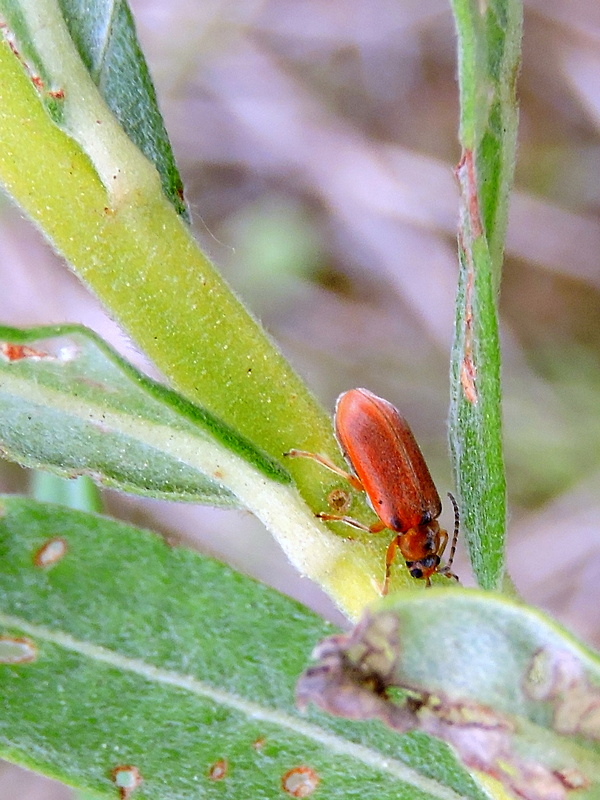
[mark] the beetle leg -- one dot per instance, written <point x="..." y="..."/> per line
<point x="448" y="574"/>
<point x="443" y="542"/>
<point x="389" y="558"/>
<point x="376" y="527"/>
<point x="325" y="462"/>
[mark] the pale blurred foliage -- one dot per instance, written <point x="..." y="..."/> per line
<point x="316" y="142"/>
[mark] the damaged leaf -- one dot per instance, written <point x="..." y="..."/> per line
<point x="513" y="694"/>
<point x="136" y="669"/>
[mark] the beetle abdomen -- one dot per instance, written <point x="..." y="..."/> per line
<point x="385" y="456"/>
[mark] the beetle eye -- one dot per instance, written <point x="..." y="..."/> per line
<point x="416" y="572"/>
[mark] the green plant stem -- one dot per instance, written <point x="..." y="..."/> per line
<point x="127" y="243"/>
<point x="489" y="41"/>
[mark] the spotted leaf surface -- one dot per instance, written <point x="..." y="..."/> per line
<point x="516" y="696"/>
<point x="138" y="670"/>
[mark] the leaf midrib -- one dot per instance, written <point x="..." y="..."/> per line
<point x="335" y="744"/>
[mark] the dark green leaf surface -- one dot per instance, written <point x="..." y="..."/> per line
<point x="158" y="658"/>
<point x="71" y="405"/>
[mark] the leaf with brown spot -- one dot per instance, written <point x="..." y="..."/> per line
<point x="156" y="659"/>
<point x="513" y="694"/>
<point x="73" y="406"/>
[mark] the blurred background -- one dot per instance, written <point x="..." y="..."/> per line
<point x="316" y="142"/>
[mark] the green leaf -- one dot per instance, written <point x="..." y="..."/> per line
<point x="99" y="201"/>
<point x="489" y="41"/>
<point x="513" y="693"/>
<point x="104" y="34"/>
<point x="96" y="198"/>
<point x="70" y="404"/>
<point x="156" y="658"/>
<point x="105" y="37"/>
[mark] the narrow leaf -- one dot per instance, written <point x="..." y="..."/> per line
<point x="70" y="404"/>
<point x="516" y="696"/>
<point x="151" y="658"/>
<point x="489" y="39"/>
<point x="104" y="36"/>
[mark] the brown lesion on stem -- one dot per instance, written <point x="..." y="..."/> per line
<point x="466" y="175"/>
<point x="468" y="370"/>
<point x="471" y="229"/>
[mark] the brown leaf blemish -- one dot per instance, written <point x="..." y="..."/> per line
<point x="259" y="743"/>
<point x="17" y="650"/>
<point x="465" y="172"/>
<point x="483" y="740"/>
<point x="126" y="778"/>
<point x="358" y="676"/>
<point x="339" y="500"/>
<point x="557" y="677"/>
<point x="17" y="352"/>
<point x="218" y="770"/>
<point x="50" y="552"/>
<point x="550" y="674"/>
<point x="467" y="713"/>
<point x="353" y="674"/>
<point x="572" y="778"/>
<point x="300" y="781"/>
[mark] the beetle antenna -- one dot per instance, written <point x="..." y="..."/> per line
<point x="456" y="529"/>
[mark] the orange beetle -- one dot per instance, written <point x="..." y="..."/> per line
<point x="389" y="467"/>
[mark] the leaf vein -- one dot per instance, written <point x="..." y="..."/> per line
<point x="336" y="744"/>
